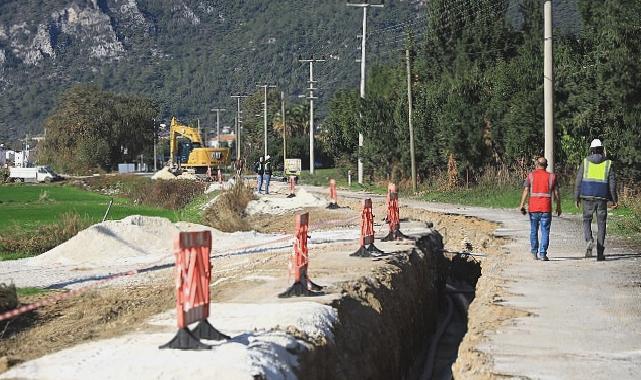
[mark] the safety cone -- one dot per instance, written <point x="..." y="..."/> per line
<point x="303" y="286"/>
<point x="333" y="202"/>
<point x="367" y="248"/>
<point x="393" y="216"/>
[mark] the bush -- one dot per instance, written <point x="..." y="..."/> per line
<point x="172" y="195"/>
<point x="43" y="238"/>
<point x="228" y="212"/>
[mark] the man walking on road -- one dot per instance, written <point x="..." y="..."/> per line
<point x="259" y="168"/>
<point x="541" y="186"/>
<point x="267" y="172"/>
<point x="595" y="186"/>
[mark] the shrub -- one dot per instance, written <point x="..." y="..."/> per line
<point x="173" y="195"/>
<point x="43" y="238"/>
<point x="228" y="212"/>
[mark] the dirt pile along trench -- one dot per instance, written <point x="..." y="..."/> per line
<point x="384" y="318"/>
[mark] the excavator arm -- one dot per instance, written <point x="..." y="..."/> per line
<point x="176" y="130"/>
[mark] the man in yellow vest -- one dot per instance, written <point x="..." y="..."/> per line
<point x="595" y="186"/>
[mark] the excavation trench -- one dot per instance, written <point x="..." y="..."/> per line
<point x="388" y="320"/>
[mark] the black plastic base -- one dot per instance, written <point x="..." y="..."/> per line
<point x="314" y="286"/>
<point x="369" y="251"/>
<point x="333" y="206"/>
<point x="204" y="330"/>
<point x="397" y="236"/>
<point x="299" y="290"/>
<point x="185" y="340"/>
<point x="291" y="195"/>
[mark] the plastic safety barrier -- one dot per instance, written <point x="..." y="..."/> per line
<point x="220" y="176"/>
<point x="393" y="216"/>
<point x="299" y="264"/>
<point x="193" y="275"/>
<point x="367" y="248"/>
<point x="333" y="199"/>
<point x="292" y="187"/>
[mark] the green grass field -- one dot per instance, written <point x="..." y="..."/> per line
<point x="28" y="206"/>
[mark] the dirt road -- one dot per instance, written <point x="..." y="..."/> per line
<point x="569" y="318"/>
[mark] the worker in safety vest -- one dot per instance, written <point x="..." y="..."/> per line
<point x="541" y="187"/>
<point x="595" y="186"/>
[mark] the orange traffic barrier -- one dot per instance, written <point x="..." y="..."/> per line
<point x="193" y="275"/>
<point x="333" y="202"/>
<point x="393" y="216"/>
<point x="298" y="266"/>
<point x="209" y="172"/>
<point x="220" y="176"/>
<point x="367" y="248"/>
<point x="292" y="186"/>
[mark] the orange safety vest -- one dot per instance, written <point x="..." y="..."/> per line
<point x="541" y="185"/>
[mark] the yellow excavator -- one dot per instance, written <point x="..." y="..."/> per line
<point x="191" y="154"/>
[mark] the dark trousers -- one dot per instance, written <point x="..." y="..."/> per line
<point x="590" y="206"/>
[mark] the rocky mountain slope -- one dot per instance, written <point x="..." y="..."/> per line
<point x="189" y="55"/>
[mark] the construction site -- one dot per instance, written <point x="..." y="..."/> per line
<point x="385" y="289"/>
<point x="210" y="190"/>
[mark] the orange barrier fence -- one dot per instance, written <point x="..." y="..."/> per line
<point x="367" y="248"/>
<point x="220" y="176"/>
<point x="333" y="198"/>
<point x="299" y="264"/>
<point x="193" y="275"/>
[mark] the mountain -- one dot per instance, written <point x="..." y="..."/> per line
<point x="188" y="55"/>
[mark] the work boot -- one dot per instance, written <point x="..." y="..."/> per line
<point x="589" y="247"/>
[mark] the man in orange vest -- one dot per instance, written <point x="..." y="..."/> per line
<point x="541" y="187"/>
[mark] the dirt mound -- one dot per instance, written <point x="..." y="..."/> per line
<point x="278" y="205"/>
<point x="134" y="239"/>
<point x="163" y="174"/>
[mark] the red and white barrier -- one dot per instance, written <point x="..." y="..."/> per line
<point x="193" y="275"/>
<point x="298" y="266"/>
<point x="367" y="247"/>
<point x="393" y="215"/>
<point x="333" y="198"/>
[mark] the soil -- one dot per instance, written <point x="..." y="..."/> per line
<point x="380" y="299"/>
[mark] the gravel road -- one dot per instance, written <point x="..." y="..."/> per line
<point x="584" y="317"/>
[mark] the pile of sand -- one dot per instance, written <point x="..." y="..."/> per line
<point x="271" y="204"/>
<point x="216" y="186"/>
<point x="134" y="239"/>
<point x="163" y="174"/>
<point x="137" y="240"/>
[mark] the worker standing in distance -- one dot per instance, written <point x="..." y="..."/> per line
<point x="267" y="172"/>
<point x="541" y="187"/>
<point x="259" y="168"/>
<point x="595" y="186"/>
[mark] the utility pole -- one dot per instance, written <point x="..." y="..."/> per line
<point x="409" y="118"/>
<point x="311" y="107"/>
<point x="265" y="87"/>
<point x="155" y="138"/>
<point x="218" y="110"/>
<point x="548" y="84"/>
<point x="365" y="6"/>
<point x="239" y="122"/>
<point x="282" y="112"/>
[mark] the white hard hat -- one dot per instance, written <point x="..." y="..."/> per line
<point x="596" y="143"/>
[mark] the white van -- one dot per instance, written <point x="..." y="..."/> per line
<point x="37" y="174"/>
